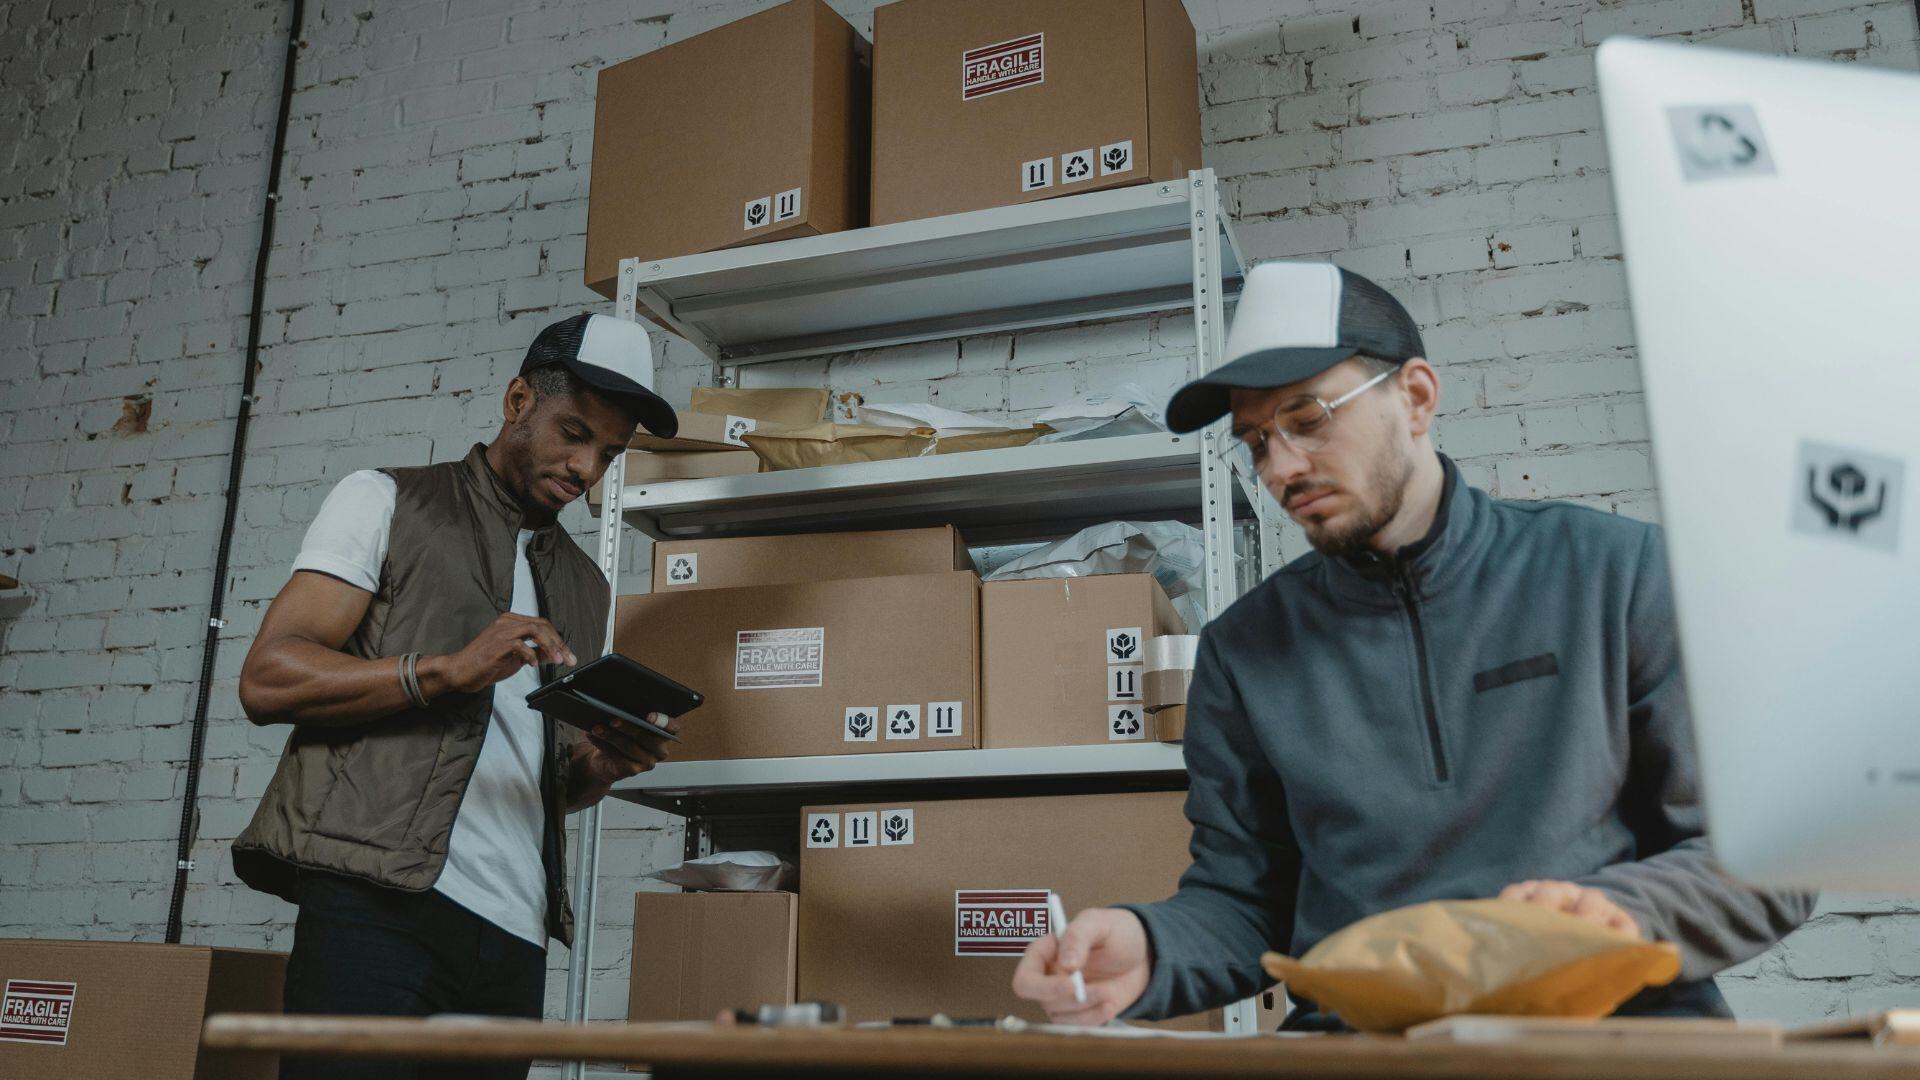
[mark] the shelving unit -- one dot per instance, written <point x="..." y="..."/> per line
<point x="1130" y="251"/>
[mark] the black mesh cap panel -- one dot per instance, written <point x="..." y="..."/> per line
<point x="1374" y="323"/>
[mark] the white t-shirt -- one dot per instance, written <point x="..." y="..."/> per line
<point x="493" y="864"/>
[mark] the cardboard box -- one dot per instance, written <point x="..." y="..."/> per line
<point x="750" y="132"/>
<point x="861" y="666"/>
<point x="784" y="406"/>
<point x="1061" y="661"/>
<point x="108" y="1010"/>
<point x="696" y="953"/>
<point x="685" y="565"/>
<point x="700" y="431"/>
<point x="982" y="103"/>
<point x="908" y="909"/>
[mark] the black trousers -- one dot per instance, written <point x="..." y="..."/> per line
<point x="360" y="949"/>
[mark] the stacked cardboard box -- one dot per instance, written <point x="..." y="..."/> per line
<point x="827" y="644"/>
<point x="751" y="132"/>
<point x="912" y="908"/>
<point x="698" y="953"/>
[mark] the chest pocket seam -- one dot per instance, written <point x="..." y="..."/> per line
<point x="1542" y="666"/>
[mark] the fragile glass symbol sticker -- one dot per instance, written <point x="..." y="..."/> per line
<point x="896" y="827"/>
<point x="862" y="723"/>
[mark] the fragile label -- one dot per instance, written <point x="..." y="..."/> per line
<point x="757" y="212"/>
<point x="36" y="1012"/>
<point x="998" y="922"/>
<point x="1116" y="158"/>
<point x="684" y="569"/>
<point x="863" y="830"/>
<point x="823" y="830"/>
<point x="944" y="719"/>
<point x="861" y="723"/>
<point x="1126" y="723"/>
<point x="896" y="827"/>
<point x="1123" y="645"/>
<point x="903" y="721"/>
<point x="1009" y="65"/>
<point x="776" y="659"/>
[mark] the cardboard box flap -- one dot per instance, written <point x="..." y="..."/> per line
<point x="782" y="407"/>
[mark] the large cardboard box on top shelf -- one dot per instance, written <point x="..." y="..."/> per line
<point x="109" y="1010"/>
<point x="696" y="953"/>
<point x="1062" y="659"/>
<point x="685" y="565"/>
<point x="913" y="908"/>
<point x="859" y="666"/>
<point x="753" y="131"/>
<point x="981" y="103"/>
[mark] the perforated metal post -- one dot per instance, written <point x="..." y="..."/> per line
<point x="586" y="863"/>
<point x="1209" y="334"/>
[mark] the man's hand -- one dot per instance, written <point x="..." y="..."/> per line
<point x="500" y="650"/>
<point x="1108" y="946"/>
<point x="1578" y="900"/>
<point x="612" y="752"/>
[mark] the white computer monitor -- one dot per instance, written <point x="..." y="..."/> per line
<point x="1770" y="220"/>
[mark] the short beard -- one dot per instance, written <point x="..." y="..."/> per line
<point x="1390" y="476"/>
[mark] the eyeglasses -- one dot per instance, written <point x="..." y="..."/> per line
<point x="1303" y="423"/>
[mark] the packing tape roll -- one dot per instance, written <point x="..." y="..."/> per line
<point x="1172" y="652"/>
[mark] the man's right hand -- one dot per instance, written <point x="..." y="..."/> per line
<point x="500" y="650"/>
<point x="1108" y="946"/>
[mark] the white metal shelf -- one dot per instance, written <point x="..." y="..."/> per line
<point x="753" y="786"/>
<point x="1130" y="251"/>
<point x="991" y="495"/>
<point x="1104" y="254"/>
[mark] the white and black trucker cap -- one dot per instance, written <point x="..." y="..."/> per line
<point x="611" y="355"/>
<point x="1296" y="320"/>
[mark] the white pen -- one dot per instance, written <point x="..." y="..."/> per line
<point x="1057" y="920"/>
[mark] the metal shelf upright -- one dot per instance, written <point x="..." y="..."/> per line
<point x="1128" y="251"/>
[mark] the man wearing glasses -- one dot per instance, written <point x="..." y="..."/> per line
<point x="1452" y="697"/>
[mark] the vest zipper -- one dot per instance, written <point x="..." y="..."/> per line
<point x="1403" y="588"/>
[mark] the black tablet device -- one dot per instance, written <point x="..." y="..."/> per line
<point x="614" y="686"/>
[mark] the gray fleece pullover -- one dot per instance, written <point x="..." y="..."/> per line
<point x="1499" y="702"/>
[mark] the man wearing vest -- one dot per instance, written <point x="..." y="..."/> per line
<point x="417" y="813"/>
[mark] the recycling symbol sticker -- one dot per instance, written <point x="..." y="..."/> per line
<point x="1076" y="166"/>
<point x="862" y="724"/>
<point x="684" y="569"/>
<point x="823" y="831"/>
<point x="896" y="828"/>
<point x="737" y="428"/>
<point x="1125" y="723"/>
<point x="903" y="721"/>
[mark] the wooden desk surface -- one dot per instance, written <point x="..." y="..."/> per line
<point x="687" y="1050"/>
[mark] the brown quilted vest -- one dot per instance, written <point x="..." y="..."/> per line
<point x="377" y="800"/>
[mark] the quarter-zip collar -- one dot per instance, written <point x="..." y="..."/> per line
<point x="1426" y="566"/>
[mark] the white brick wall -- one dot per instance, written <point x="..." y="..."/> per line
<point x="433" y="219"/>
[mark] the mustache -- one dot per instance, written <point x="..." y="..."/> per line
<point x="1303" y="487"/>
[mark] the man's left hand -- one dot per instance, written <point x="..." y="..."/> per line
<point x="616" y="749"/>
<point x="1577" y="900"/>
